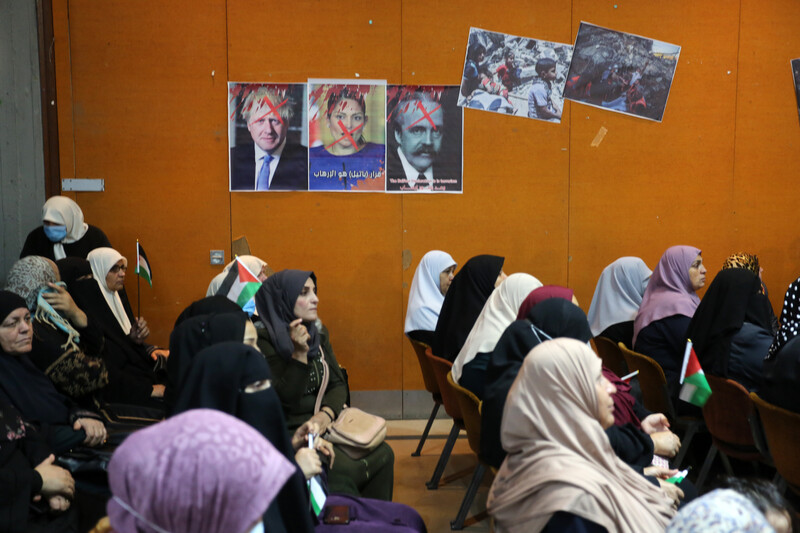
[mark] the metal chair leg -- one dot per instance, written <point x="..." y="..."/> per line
<point x="701" y="478"/>
<point x="433" y="483"/>
<point x="726" y="463"/>
<point x="427" y="429"/>
<point x="469" y="496"/>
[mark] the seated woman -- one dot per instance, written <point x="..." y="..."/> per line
<point x="464" y="301"/>
<point x="617" y="298"/>
<point x="235" y="379"/>
<point x="257" y="266"/>
<point x="428" y="289"/>
<point x="127" y="356"/>
<point x="781" y="372"/>
<point x="210" y="473"/>
<point x="469" y="368"/>
<point x="350" y="161"/>
<point x="66" y="346"/>
<point x="731" y="328"/>
<point x="294" y="348"/>
<point x="31" y="392"/>
<point x="750" y="262"/>
<point x="668" y="304"/>
<point x="63" y="232"/>
<point x="636" y="434"/>
<point x="35" y="494"/>
<point x="561" y="474"/>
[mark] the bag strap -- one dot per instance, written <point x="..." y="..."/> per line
<point x="324" y="385"/>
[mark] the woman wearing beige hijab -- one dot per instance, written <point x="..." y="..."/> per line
<point x="561" y="472"/>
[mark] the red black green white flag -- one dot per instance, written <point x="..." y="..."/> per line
<point x="240" y="285"/>
<point x="695" y="389"/>
<point x="142" y="265"/>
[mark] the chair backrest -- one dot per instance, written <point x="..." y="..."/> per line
<point x="655" y="395"/>
<point x="440" y="368"/>
<point x="471" y="411"/>
<point x="611" y="355"/>
<point x="782" y="428"/>
<point x="431" y="385"/>
<point x="727" y="413"/>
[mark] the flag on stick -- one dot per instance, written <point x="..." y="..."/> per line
<point x="695" y="389"/>
<point x="142" y="265"/>
<point x="240" y="285"/>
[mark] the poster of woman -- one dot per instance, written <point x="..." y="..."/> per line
<point x="347" y="135"/>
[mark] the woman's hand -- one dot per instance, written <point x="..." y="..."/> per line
<point x="139" y="331"/>
<point x="58" y="503"/>
<point x="666" y="443"/>
<point x="325" y="448"/>
<point x="62" y="302"/>
<point x="308" y="461"/>
<point x="300" y="437"/>
<point x="95" y="431"/>
<point x="660" y="472"/>
<point x="654" y="423"/>
<point x="300" y="337"/>
<point x="158" y="391"/>
<point x="55" y="480"/>
<point x="672" y="491"/>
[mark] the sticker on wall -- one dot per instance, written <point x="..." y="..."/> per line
<point x="621" y="72"/>
<point x="424" y="142"/>
<point x="796" y="77"/>
<point x="514" y="75"/>
<point x="267" y="137"/>
<point x="347" y="135"/>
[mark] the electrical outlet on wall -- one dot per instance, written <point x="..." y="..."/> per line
<point x="217" y="257"/>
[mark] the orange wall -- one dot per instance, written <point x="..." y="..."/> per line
<point x="142" y="104"/>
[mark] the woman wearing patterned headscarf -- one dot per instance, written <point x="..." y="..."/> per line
<point x="750" y="262"/>
<point x="668" y="305"/>
<point x="63" y="232"/>
<point x="781" y="372"/>
<point x="66" y="345"/>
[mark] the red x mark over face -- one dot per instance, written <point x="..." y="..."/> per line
<point x="347" y="134"/>
<point x="425" y="115"/>
<point x="272" y="109"/>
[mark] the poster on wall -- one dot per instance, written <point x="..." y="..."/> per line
<point x="621" y="72"/>
<point x="514" y="75"/>
<point x="267" y="137"/>
<point x="796" y="77"/>
<point x="424" y="139"/>
<point x="347" y="135"/>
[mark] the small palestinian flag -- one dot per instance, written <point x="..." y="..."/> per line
<point x="695" y="389"/>
<point x="240" y="285"/>
<point x="142" y="265"/>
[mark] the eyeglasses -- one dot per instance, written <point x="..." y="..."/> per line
<point x="117" y="268"/>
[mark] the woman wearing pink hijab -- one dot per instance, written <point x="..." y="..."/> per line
<point x="669" y="302"/>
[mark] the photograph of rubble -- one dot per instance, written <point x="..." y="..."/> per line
<point x="621" y="72"/>
<point x="514" y="75"/>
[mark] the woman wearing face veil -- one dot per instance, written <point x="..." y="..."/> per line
<point x="63" y="232"/>
<point x="561" y="474"/>
<point x="464" y="300"/>
<point x="294" y="348"/>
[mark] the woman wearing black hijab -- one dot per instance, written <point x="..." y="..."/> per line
<point x="731" y="330"/>
<point x="234" y="378"/>
<point x="464" y="300"/>
<point x="289" y="339"/>
<point x="31" y="392"/>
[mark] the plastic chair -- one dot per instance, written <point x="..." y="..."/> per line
<point x="441" y="367"/>
<point x="729" y="415"/>
<point x="611" y="355"/>
<point x="655" y="397"/>
<point x="782" y="429"/>
<point x="471" y="409"/>
<point x="430" y="385"/>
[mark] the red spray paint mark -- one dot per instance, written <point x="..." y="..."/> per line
<point x="347" y="135"/>
<point x="272" y="109"/>
<point x="425" y="115"/>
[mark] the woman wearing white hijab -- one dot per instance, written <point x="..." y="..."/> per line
<point x="561" y="471"/>
<point x="498" y="313"/>
<point x="617" y="298"/>
<point x="431" y="281"/>
<point x="63" y="232"/>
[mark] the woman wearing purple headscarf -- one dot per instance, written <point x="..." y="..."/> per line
<point x="202" y="471"/>
<point x="668" y="305"/>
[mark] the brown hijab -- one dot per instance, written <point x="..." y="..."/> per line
<point x="559" y="457"/>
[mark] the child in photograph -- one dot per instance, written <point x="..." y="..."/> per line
<point x="540" y="102"/>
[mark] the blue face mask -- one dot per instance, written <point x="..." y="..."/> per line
<point x="55" y="233"/>
<point x="250" y="307"/>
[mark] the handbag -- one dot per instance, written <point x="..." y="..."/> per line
<point x="357" y="433"/>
